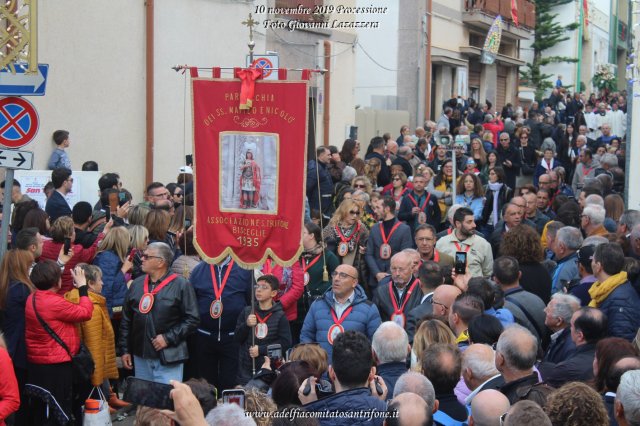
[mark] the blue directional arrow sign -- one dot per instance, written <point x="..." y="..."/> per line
<point x="22" y="83"/>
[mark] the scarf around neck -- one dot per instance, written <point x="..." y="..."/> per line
<point x="495" y="187"/>
<point x="599" y="291"/>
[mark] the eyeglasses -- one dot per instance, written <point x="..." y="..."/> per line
<point x="445" y="307"/>
<point x="425" y="239"/>
<point x="359" y="185"/>
<point x="145" y="256"/>
<point x="397" y="179"/>
<point x="342" y="275"/>
<point x="504" y="140"/>
<point x="503" y="418"/>
<point x="262" y="287"/>
<point x="356" y="213"/>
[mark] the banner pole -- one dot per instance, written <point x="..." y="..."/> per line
<point x="253" y="312"/>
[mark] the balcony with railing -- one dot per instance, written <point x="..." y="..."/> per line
<point x="481" y="13"/>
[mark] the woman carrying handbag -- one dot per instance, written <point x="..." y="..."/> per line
<point x="50" y="319"/>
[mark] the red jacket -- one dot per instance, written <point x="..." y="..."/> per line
<point x="291" y="286"/>
<point x="494" y="127"/>
<point x="9" y="394"/>
<point x="51" y="250"/>
<point x="61" y="315"/>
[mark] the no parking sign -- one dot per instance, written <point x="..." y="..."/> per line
<point x="18" y="122"/>
<point x="268" y="64"/>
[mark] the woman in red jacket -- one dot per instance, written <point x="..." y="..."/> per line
<point x="49" y="364"/>
<point x="53" y="249"/>
<point x="9" y="394"/>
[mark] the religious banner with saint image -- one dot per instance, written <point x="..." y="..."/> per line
<point x="249" y="169"/>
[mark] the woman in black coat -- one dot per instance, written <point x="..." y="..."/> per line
<point x="497" y="194"/>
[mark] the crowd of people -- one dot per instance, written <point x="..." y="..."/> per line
<point x="506" y="297"/>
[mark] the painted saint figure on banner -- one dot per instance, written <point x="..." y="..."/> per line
<point x="250" y="182"/>
<point x="248" y="172"/>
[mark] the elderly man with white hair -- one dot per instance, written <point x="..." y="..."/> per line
<point x="390" y="346"/>
<point x="627" y="405"/>
<point x="558" y="315"/>
<point x="416" y="383"/>
<point x="398" y="293"/>
<point x="479" y="370"/>
<point x="592" y="220"/>
<point x="565" y="246"/>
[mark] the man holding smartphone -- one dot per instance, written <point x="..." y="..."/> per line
<point x="465" y="239"/>
<point x="159" y="312"/>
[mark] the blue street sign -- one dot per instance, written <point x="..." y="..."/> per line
<point x="23" y="84"/>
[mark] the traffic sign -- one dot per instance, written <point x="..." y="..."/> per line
<point x="22" y="83"/>
<point x="13" y="159"/>
<point x="268" y="63"/>
<point x="18" y="122"/>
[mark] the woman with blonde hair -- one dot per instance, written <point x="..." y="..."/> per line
<point x="362" y="183"/>
<point x="371" y="170"/>
<point x="139" y="241"/>
<point x="478" y="153"/>
<point x="97" y="335"/>
<point x="112" y="259"/>
<point x="430" y="331"/>
<point x="346" y="235"/>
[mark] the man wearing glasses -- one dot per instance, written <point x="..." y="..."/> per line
<point x="57" y="205"/>
<point x="343" y="307"/>
<point x="509" y="157"/>
<point x="157" y="193"/>
<point x="159" y="312"/>
<point x="398" y="293"/>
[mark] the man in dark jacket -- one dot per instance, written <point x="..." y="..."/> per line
<point x="613" y="294"/>
<point x="390" y="346"/>
<point x="216" y="357"/>
<point x="377" y="146"/>
<point x="387" y="237"/>
<point x="398" y="293"/>
<point x="509" y="158"/>
<point x="343" y="307"/>
<point x="355" y="382"/>
<point x="57" y="204"/>
<point x="159" y="312"/>
<point x="430" y="276"/>
<point x="515" y="356"/>
<point x="588" y="325"/>
<point x="442" y="364"/>
<point x="558" y="319"/>
<point x="418" y="206"/>
<point x="319" y="183"/>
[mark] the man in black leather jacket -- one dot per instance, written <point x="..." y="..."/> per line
<point x="159" y="312"/>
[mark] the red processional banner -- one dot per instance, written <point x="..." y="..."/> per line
<point x="249" y="170"/>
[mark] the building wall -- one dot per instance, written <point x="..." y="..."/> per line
<point x="96" y="83"/>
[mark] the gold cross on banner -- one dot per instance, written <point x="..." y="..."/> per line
<point x="250" y="23"/>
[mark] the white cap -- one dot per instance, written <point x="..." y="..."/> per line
<point x="186" y="169"/>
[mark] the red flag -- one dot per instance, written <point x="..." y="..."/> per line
<point x="514" y="12"/>
<point x="249" y="170"/>
<point x="585" y="13"/>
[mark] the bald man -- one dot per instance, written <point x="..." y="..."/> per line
<point x="411" y="410"/>
<point x="487" y="407"/>
<point x="344" y="307"/>
<point x="443" y="298"/>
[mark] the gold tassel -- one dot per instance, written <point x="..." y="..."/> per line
<point x="185" y="271"/>
<point x="325" y="273"/>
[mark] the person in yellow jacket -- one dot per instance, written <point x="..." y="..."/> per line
<point x="98" y="336"/>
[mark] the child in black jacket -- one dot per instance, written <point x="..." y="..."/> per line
<point x="268" y="323"/>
